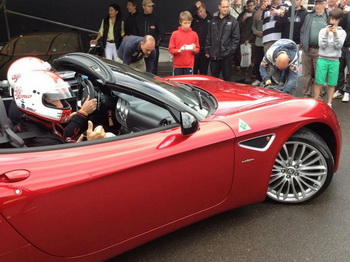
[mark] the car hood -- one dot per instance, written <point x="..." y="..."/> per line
<point x="233" y="97"/>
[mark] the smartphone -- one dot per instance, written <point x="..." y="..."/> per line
<point x="330" y="24"/>
<point x="188" y="47"/>
<point x="268" y="7"/>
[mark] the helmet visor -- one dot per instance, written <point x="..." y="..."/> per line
<point x="61" y="91"/>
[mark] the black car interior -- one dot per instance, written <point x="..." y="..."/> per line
<point x="119" y="111"/>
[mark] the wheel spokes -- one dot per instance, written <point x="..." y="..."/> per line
<point x="300" y="170"/>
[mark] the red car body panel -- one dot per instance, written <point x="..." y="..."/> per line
<point x="54" y="206"/>
<point x="93" y="202"/>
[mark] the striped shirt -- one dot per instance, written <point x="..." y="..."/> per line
<point x="270" y="33"/>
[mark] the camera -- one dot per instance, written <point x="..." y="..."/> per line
<point x="268" y="7"/>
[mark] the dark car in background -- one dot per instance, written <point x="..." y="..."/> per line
<point x="47" y="46"/>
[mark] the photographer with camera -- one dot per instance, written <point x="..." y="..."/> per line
<point x="269" y="11"/>
<point x="331" y="40"/>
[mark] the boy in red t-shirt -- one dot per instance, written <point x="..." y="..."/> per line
<point x="183" y="45"/>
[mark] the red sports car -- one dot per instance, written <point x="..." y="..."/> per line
<point x="183" y="149"/>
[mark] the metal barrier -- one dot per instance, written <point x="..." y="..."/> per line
<point x="7" y="11"/>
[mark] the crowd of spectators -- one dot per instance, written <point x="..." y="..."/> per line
<point x="210" y="41"/>
<point x="319" y="34"/>
<point x="142" y="23"/>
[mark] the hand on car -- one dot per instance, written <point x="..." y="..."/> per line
<point x="268" y="82"/>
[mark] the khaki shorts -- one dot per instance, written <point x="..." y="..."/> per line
<point x="140" y="65"/>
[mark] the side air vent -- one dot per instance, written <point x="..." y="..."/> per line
<point x="261" y="143"/>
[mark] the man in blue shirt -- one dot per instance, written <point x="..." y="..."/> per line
<point x="282" y="60"/>
<point x="138" y="52"/>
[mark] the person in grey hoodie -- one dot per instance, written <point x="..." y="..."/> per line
<point x="280" y="65"/>
<point x="331" y="40"/>
<point x="312" y="25"/>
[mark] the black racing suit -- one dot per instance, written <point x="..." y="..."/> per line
<point x="51" y="133"/>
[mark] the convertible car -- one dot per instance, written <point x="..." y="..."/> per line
<point x="181" y="149"/>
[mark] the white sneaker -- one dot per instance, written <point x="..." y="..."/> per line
<point x="256" y="83"/>
<point x="337" y="94"/>
<point x="346" y="97"/>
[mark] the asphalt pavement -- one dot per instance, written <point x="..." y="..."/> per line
<point x="313" y="232"/>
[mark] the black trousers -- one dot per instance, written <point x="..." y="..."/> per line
<point x="259" y="55"/>
<point x="201" y="64"/>
<point x="155" y="63"/>
<point x="344" y="62"/>
<point x="223" y="66"/>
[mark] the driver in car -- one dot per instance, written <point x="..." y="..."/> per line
<point x="28" y="64"/>
<point x="280" y="65"/>
<point x="41" y="95"/>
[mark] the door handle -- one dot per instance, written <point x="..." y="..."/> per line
<point x="14" y="176"/>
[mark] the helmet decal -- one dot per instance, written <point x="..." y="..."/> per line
<point x="25" y="64"/>
<point x="34" y="92"/>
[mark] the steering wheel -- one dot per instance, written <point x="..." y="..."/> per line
<point x="86" y="88"/>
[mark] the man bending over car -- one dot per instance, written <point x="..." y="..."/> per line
<point x="138" y="52"/>
<point x="280" y="66"/>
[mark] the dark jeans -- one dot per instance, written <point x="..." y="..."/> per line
<point x="155" y="63"/>
<point x="224" y="66"/>
<point x="236" y="58"/>
<point x="344" y="62"/>
<point x="201" y="64"/>
<point x="259" y="55"/>
<point x="182" y="71"/>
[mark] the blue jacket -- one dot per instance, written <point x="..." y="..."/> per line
<point x="291" y="49"/>
<point x="130" y="52"/>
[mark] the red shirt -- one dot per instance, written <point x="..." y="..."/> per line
<point x="184" y="59"/>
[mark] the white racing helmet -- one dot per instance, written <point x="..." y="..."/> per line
<point x="33" y="89"/>
<point x="23" y="65"/>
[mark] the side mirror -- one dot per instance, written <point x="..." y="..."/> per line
<point x="189" y="124"/>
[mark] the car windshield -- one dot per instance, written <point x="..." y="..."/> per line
<point x="187" y="94"/>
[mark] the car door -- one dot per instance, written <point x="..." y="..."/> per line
<point x="80" y="200"/>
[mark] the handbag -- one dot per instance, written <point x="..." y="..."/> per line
<point x="246" y="55"/>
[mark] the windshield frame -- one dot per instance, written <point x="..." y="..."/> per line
<point x="180" y="92"/>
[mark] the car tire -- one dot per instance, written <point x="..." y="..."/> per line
<point x="303" y="169"/>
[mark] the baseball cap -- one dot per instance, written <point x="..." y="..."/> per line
<point x="148" y="2"/>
